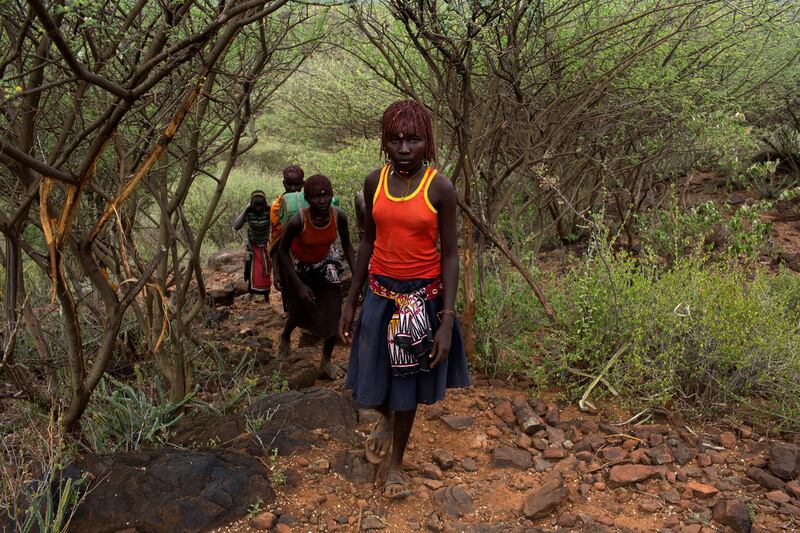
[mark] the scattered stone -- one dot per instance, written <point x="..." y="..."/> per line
<point x="372" y="522"/>
<point x="586" y="457"/>
<point x="444" y="459"/>
<point x="545" y="499"/>
<point x="554" y="452"/>
<point x="784" y="460"/>
<point x="778" y="496"/>
<point x="264" y="521"/>
<point x="540" y="444"/>
<point x="433" y="484"/>
<point x="458" y="423"/>
<point x="469" y="464"/>
<point x="552" y="416"/>
<point x="431" y="471"/>
<point x="320" y="466"/>
<point x="645" y="430"/>
<point x="794" y="488"/>
<point x="538" y="405"/>
<point x="727" y="439"/>
<point x="454" y="501"/>
<point x="527" y="419"/>
<point x="506" y="456"/>
<point x="540" y="465"/>
<point x="701" y="490"/>
<point x="555" y="435"/>
<point x="432" y="412"/>
<point x="671" y="496"/>
<point x="621" y="475"/>
<point x="659" y="455"/>
<point x="734" y="514"/>
<point x="480" y="442"/>
<point x="649" y="505"/>
<point x="351" y="465"/>
<point x="567" y="520"/>
<point x="505" y="412"/>
<point x="764" y="478"/>
<point x="614" y="454"/>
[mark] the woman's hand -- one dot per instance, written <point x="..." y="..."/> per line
<point x="305" y="294"/>
<point x="345" y="323"/>
<point x="442" y="341"/>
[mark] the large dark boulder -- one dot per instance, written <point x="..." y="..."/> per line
<point x="295" y="417"/>
<point x="168" y="490"/>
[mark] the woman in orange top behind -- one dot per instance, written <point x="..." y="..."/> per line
<point x="310" y="265"/>
<point x="407" y="347"/>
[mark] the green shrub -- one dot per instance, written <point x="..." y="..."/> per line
<point x="123" y="417"/>
<point x="675" y="232"/>
<point x="36" y="492"/>
<point x="507" y="319"/>
<point x="710" y="336"/>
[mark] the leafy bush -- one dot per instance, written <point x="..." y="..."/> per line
<point x="37" y="494"/>
<point x="507" y="318"/>
<point x="710" y="336"/>
<point x="675" y="232"/>
<point x="123" y="417"/>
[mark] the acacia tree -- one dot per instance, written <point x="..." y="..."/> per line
<point x="550" y="110"/>
<point x="111" y="111"/>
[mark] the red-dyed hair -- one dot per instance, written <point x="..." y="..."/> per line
<point x="316" y="184"/>
<point x="408" y="116"/>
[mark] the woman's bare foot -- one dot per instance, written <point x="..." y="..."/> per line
<point x="331" y="371"/>
<point x="379" y="441"/>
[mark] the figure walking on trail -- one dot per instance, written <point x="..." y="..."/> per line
<point x="311" y="287"/>
<point x="283" y="208"/>
<point x="258" y="266"/>
<point x="407" y="347"/>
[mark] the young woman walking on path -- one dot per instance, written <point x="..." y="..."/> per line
<point x="407" y="347"/>
<point x="310" y="264"/>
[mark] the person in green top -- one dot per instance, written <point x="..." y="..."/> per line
<point x="258" y="266"/>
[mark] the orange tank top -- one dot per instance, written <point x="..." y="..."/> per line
<point x="406" y="231"/>
<point x="312" y="244"/>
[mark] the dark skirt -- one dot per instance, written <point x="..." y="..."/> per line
<point x="320" y="318"/>
<point x="369" y="375"/>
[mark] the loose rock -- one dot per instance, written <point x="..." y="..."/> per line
<point x="545" y="499"/>
<point x="508" y="457"/>
<point x="734" y="514"/>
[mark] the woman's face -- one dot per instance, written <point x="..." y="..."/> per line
<point x="406" y="149"/>
<point x="258" y="203"/>
<point x="320" y="201"/>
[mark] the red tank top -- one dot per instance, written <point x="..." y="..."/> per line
<point x="312" y="244"/>
<point x="406" y="231"/>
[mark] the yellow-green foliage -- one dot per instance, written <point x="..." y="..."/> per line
<point x="709" y="335"/>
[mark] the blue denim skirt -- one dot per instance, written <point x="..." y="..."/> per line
<point x="369" y="374"/>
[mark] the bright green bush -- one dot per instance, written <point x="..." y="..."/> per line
<point x="124" y="417"/>
<point x="710" y="336"/>
<point x="675" y="232"/>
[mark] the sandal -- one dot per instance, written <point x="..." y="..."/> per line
<point x="398" y="480"/>
<point x="381" y="435"/>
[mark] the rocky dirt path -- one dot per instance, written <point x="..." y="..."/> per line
<point x="491" y="458"/>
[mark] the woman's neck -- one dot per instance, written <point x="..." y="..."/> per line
<point x="408" y="174"/>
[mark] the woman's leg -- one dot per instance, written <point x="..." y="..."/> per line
<point x="396" y="483"/>
<point x="284" y="344"/>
